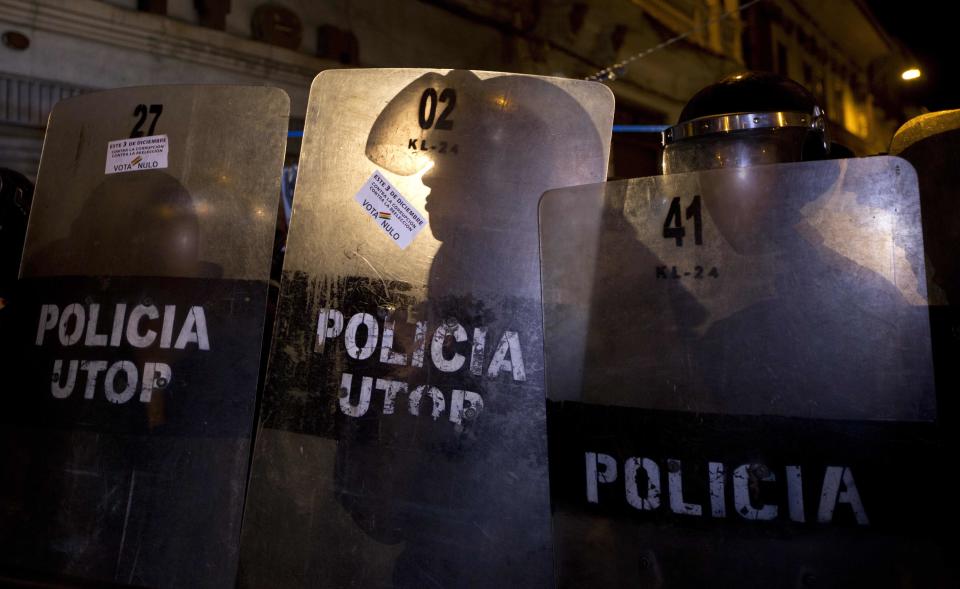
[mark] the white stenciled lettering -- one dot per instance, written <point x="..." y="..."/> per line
<point x="390" y="388"/>
<point x="129" y="382"/>
<point x="329" y="326"/>
<point x="137" y="338"/>
<point x="465" y="406"/>
<point x="445" y="353"/>
<point x="194" y="330"/>
<point x="387" y="355"/>
<point x="62" y="391"/>
<point x="363" y="403"/>
<point x="82" y="325"/>
<point x="71" y="335"/>
<point x="741" y="491"/>
<point x="596" y="474"/>
<point x="439" y="404"/>
<point x="361" y="352"/>
<point x="675" y="491"/>
<point x="752" y="489"/>
<point x="116" y="334"/>
<point x="717" y="475"/>
<point x="831" y="494"/>
<point x="795" y="493"/>
<point x="451" y="328"/>
<point x="118" y="383"/>
<point x="650" y="499"/>
<point x="477" y="350"/>
<point x="166" y="331"/>
<point x="93" y="338"/>
<point x="49" y="314"/>
<point x="156" y="375"/>
<point x="93" y="368"/>
<point x="419" y="344"/>
<point x="508" y="357"/>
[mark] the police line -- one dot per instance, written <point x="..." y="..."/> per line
<point x="556" y="367"/>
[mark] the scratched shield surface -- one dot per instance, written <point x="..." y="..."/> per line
<point x="402" y="439"/>
<point x="133" y="351"/>
<point x="931" y="143"/>
<point x="740" y="381"/>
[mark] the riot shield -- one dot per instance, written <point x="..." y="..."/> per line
<point x="135" y="339"/>
<point x="931" y="143"/>
<point x="402" y="438"/>
<point x="16" y="193"/>
<point x="739" y="379"/>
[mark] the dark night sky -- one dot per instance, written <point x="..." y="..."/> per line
<point x="932" y="35"/>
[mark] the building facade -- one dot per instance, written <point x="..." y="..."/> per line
<point x="75" y="46"/>
<point x="838" y="51"/>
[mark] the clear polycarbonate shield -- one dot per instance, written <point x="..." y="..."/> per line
<point x="402" y="439"/>
<point x="133" y="345"/>
<point x="740" y="379"/>
<point x="931" y="143"/>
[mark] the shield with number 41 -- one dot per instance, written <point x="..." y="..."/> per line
<point x="740" y="381"/>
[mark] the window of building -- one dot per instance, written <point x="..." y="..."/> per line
<point x="782" y="60"/>
<point x="837" y="106"/>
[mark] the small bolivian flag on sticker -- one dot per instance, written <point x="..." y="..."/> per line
<point x="384" y="215"/>
<point x="136" y="160"/>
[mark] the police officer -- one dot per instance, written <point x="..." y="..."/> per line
<point x="16" y="193"/>
<point x="796" y="330"/>
<point x="746" y="119"/>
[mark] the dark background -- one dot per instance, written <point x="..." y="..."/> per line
<point x="929" y="31"/>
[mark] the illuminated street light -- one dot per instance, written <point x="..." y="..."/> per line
<point x="910" y="74"/>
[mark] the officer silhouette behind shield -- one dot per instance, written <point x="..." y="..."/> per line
<point x="830" y="339"/>
<point x="470" y="500"/>
<point x="133" y="224"/>
<point x="493" y="147"/>
<point x="16" y="193"/>
<point x="834" y="337"/>
<point x="825" y="323"/>
<point x="813" y="345"/>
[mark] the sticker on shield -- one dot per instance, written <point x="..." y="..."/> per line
<point x="135" y="343"/>
<point x="138" y="153"/>
<point x="392" y="213"/>
<point x="739" y="362"/>
<point x="403" y="413"/>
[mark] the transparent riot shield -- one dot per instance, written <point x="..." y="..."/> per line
<point x="402" y="439"/>
<point x="931" y="143"/>
<point x="739" y="379"/>
<point x="133" y="348"/>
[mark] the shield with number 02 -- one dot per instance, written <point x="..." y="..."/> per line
<point x="402" y="439"/>
<point x="740" y="379"/>
<point x="135" y="334"/>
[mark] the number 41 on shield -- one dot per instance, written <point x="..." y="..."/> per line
<point x="673" y="224"/>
